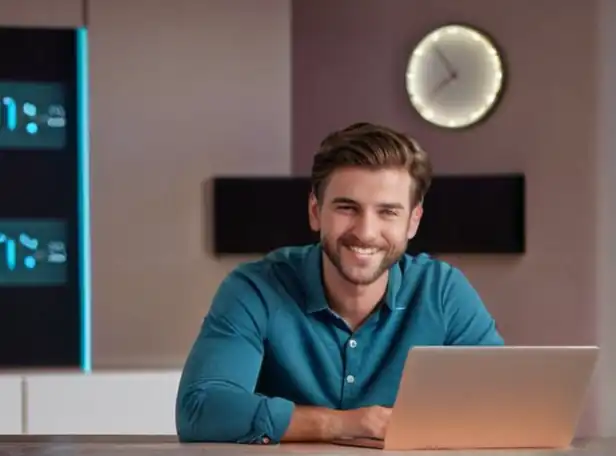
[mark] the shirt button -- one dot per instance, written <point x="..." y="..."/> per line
<point x="350" y="379"/>
<point x="352" y="343"/>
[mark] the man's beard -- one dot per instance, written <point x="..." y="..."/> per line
<point x="333" y="252"/>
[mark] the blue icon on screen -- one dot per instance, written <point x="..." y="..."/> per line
<point x="55" y="118"/>
<point x="28" y="242"/>
<point x="10" y="255"/>
<point x="32" y="252"/>
<point x="10" y="113"/>
<point x="30" y="111"/>
<point x="56" y="252"/>
<point x="32" y="244"/>
<point x="32" y="116"/>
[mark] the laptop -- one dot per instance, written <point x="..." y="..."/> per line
<point x="460" y="397"/>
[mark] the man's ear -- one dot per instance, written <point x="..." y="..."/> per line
<point x="416" y="214"/>
<point x="313" y="212"/>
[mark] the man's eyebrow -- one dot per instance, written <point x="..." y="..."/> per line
<point x="344" y="200"/>
<point x="391" y="206"/>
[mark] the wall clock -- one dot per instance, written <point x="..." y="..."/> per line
<point x="455" y="76"/>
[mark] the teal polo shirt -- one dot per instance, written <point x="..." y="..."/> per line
<point x="270" y="342"/>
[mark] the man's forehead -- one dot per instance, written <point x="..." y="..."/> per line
<point x="370" y="187"/>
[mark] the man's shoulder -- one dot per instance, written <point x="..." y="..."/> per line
<point x="254" y="290"/>
<point x="446" y="291"/>
<point x="425" y="269"/>
<point x="429" y="278"/>
<point x="278" y="270"/>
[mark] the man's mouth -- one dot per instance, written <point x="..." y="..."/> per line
<point x="363" y="251"/>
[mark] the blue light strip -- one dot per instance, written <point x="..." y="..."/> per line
<point x="83" y="152"/>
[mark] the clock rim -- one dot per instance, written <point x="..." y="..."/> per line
<point x="488" y="113"/>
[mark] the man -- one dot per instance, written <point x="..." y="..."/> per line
<point x="309" y="343"/>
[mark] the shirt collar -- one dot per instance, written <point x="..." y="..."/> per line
<point x="315" y="291"/>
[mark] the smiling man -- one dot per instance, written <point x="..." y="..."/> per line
<point x="309" y="343"/>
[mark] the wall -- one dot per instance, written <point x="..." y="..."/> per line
<point x="181" y="91"/>
<point x="349" y="65"/>
<point x="41" y="13"/>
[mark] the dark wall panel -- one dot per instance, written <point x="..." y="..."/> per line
<point x="462" y="214"/>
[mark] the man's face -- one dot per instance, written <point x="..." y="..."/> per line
<point x="365" y="219"/>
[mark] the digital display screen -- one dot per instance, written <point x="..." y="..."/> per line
<point x="32" y="115"/>
<point x="41" y="203"/>
<point x="32" y="252"/>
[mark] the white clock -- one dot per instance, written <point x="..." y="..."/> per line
<point x="455" y="76"/>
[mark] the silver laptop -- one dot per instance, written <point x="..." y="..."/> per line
<point x="488" y="397"/>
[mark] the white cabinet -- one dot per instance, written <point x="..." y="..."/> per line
<point x="120" y="403"/>
<point x="10" y="404"/>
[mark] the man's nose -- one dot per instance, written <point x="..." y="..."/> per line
<point x="366" y="227"/>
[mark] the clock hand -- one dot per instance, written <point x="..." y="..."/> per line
<point x="448" y="66"/>
<point x="444" y="83"/>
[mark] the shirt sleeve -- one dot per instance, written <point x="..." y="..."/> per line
<point x="468" y="322"/>
<point x="216" y="399"/>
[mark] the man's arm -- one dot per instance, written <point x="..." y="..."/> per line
<point x="216" y="400"/>
<point x="467" y="319"/>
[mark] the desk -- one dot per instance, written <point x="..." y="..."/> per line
<point x="24" y="445"/>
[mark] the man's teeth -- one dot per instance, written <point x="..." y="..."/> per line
<point x="363" y="250"/>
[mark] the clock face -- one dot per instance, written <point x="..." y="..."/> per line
<point x="454" y="76"/>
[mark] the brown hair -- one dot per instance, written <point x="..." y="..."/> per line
<point x="371" y="146"/>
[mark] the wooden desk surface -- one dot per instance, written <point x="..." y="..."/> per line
<point x="168" y="446"/>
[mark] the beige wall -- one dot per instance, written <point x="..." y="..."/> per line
<point x="185" y="89"/>
<point x="41" y="13"/>
<point x="181" y="90"/>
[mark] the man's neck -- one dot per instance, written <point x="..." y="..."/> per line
<point x="353" y="303"/>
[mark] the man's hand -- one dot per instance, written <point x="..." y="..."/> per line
<point x="370" y="422"/>
<point x="311" y="424"/>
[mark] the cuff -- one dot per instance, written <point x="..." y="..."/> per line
<point x="273" y="419"/>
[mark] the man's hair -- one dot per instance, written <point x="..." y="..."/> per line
<point x="371" y="146"/>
